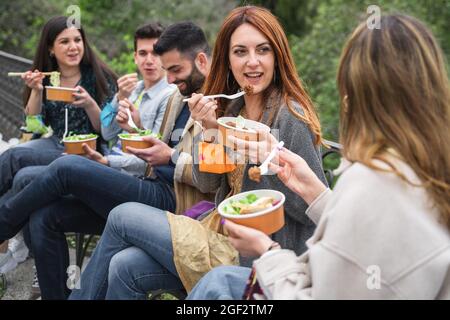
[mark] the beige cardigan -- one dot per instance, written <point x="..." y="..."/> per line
<point x="377" y="238"/>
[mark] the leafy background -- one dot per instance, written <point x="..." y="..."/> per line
<point x="317" y="31"/>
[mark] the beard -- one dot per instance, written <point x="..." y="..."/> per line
<point x="193" y="82"/>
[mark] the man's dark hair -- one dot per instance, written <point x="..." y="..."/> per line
<point x="149" y="31"/>
<point x="188" y="38"/>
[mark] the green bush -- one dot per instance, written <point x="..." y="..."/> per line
<point x="317" y="53"/>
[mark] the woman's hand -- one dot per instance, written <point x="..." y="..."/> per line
<point x="257" y="151"/>
<point x="295" y="173"/>
<point x="33" y="80"/>
<point x="249" y="242"/>
<point x="83" y="99"/>
<point x="203" y="110"/>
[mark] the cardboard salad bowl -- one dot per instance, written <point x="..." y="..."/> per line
<point x="268" y="220"/>
<point x="134" y="140"/>
<point x="248" y="133"/>
<point x="60" y="94"/>
<point x="73" y="144"/>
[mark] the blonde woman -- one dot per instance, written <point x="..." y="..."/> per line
<point x="384" y="231"/>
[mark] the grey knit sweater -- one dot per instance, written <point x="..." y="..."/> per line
<point x="300" y="140"/>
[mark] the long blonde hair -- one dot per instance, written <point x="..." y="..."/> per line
<point x="286" y="80"/>
<point x="396" y="95"/>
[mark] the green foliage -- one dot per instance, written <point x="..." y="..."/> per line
<point x="21" y="22"/>
<point x="317" y="31"/>
<point x="317" y="54"/>
<point x="295" y="16"/>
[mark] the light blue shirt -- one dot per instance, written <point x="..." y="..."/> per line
<point x="151" y="111"/>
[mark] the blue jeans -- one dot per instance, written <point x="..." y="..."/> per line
<point x="21" y="179"/>
<point x="15" y="159"/>
<point x="221" y="283"/>
<point x="133" y="256"/>
<point x="47" y="227"/>
<point x="99" y="187"/>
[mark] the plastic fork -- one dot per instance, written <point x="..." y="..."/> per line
<point x="264" y="167"/>
<point x="66" y="121"/>
<point x="131" y="122"/>
<point x="226" y="96"/>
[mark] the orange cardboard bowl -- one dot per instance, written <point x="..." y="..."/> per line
<point x="75" y="147"/>
<point x="60" y="94"/>
<point x="269" y="220"/>
<point x="249" y="135"/>
<point x="135" y="141"/>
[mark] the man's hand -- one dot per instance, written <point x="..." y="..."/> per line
<point x="157" y="155"/>
<point x="94" y="155"/>
<point x="122" y="116"/>
<point x="126" y="85"/>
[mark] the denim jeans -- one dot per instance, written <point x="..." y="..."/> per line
<point x="15" y="159"/>
<point x="47" y="227"/>
<point x="21" y="179"/>
<point x="221" y="283"/>
<point x="133" y="256"/>
<point x="99" y="187"/>
<point x="20" y="164"/>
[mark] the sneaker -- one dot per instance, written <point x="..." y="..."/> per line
<point x="35" y="289"/>
<point x="18" y="248"/>
<point x="7" y="262"/>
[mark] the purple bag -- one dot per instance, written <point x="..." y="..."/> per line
<point x="200" y="208"/>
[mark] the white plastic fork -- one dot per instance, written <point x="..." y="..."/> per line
<point x="226" y="96"/>
<point x="131" y="122"/>
<point x="264" y="167"/>
<point x="66" y="117"/>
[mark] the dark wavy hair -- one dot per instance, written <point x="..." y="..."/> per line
<point x="45" y="63"/>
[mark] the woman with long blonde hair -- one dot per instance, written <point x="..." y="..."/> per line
<point x="383" y="232"/>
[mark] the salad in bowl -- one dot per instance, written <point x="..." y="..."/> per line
<point x="73" y="142"/>
<point x="259" y="209"/>
<point x="135" y="140"/>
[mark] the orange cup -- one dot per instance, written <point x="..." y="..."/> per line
<point x="226" y="130"/>
<point x="60" y="94"/>
<point x="135" y="141"/>
<point x="269" y="220"/>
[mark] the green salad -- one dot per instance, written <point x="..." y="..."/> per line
<point x="250" y="204"/>
<point x="141" y="133"/>
<point x="80" y="137"/>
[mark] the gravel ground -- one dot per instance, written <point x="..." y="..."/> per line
<point x="20" y="279"/>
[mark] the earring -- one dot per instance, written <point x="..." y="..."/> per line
<point x="52" y="55"/>
<point x="345" y="103"/>
<point x="275" y="77"/>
